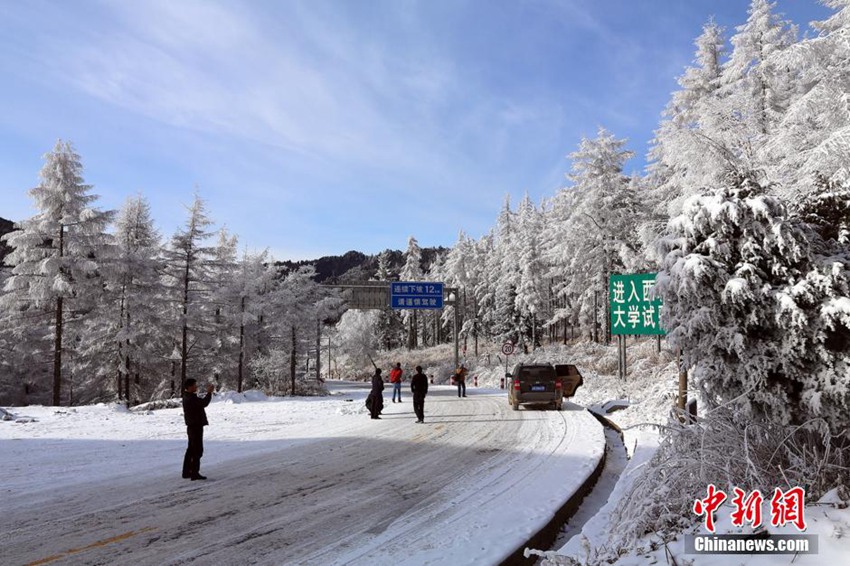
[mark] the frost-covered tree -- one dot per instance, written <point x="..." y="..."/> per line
<point x="293" y="313"/>
<point x="356" y="337"/>
<point x="557" y="234"/>
<point x="530" y="290"/>
<point x="389" y="326"/>
<point x="463" y="270"/>
<point x="248" y="296"/>
<point x="755" y="89"/>
<point x="502" y="275"/>
<point x="412" y="271"/>
<point x="678" y="166"/>
<point x="188" y="264"/>
<point x="758" y="316"/>
<point x="484" y="297"/>
<point x="226" y="308"/>
<point x="603" y="223"/>
<point x="54" y="259"/>
<point x="123" y="346"/>
<point x="813" y="138"/>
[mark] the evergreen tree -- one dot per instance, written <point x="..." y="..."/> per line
<point x="529" y="301"/>
<point x="412" y="271"/>
<point x="758" y="316"/>
<point x="813" y="138"/>
<point x="124" y="339"/>
<point x="603" y="223"/>
<point x="250" y="294"/>
<point x="389" y="326"/>
<point x="678" y="166"/>
<point x="54" y="279"/>
<point x="188" y="271"/>
<point x="226" y="307"/>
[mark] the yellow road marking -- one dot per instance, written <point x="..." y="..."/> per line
<point x="97" y="544"/>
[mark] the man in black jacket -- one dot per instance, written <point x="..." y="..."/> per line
<point x="419" y="388"/>
<point x="196" y="419"/>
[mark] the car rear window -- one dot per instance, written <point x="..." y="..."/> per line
<point x="543" y="372"/>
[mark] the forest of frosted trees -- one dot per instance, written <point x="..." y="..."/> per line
<point x="743" y="210"/>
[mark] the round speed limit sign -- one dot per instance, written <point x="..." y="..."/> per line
<point x="508" y="348"/>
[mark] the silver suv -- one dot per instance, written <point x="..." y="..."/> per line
<point x="542" y="384"/>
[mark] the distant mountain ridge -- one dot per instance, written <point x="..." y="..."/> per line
<point x="354" y="266"/>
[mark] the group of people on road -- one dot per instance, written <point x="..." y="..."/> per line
<point x="194" y="408"/>
<point x="418" y="387"/>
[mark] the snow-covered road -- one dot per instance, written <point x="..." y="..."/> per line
<point x="296" y="481"/>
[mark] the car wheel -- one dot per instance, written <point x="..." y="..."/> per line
<point x="515" y="405"/>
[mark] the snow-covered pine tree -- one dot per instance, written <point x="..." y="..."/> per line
<point x="813" y="138"/>
<point x="412" y="271"/>
<point x="483" y="297"/>
<point x="603" y="221"/>
<point x="253" y="281"/>
<point x="123" y="347"/>
<point x="187" y="266"/>
<point x="755" y="313"/>
<point x="736" y="125"/>
<point x="503" y="276"/>
<point x="530" y="291"/>
<point x="678" y="166"/>
<point x="557" y="234"/>
<point x="293" y="316"/>
<point x="389" y="326"/>
<point x="54" y="259"/>
<point x="463" y="271"/>
<point x="226" y="309"/>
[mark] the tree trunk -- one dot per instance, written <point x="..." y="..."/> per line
<point x="57" y="339"/>
<point x="184" y="348"/>
<point x="292" y="363"/>
<point x="241" y="347"/>
<point x="127" y="364"/>
<point x="57" y="355"/>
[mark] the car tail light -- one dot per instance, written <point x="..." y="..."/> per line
<point x="516" y="384"/>
<point x="558" y="384"/>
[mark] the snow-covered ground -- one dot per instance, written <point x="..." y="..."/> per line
<point x="313" y="480"/>
<point x="304" y="480"/>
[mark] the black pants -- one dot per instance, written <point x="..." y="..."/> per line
<point x="419" y="406"/>
<point x="194" y="451"/>
<point x="377" y="404"/>
<point x="461" y="385"/>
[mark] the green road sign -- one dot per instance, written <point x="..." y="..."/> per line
<point x="633" y="310"/>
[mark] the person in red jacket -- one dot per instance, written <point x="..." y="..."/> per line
<point x="395" y="379"/>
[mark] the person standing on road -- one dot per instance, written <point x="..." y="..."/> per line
<point x="376" y="394"/>
<point x="419" y="388"/>
<point x="460" y="380"/>
<point x="196" y="419"/>
<point x="395" y="379"/>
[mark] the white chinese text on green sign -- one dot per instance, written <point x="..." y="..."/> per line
<point x="633" y="310"/>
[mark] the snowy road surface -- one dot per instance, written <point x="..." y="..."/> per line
<point x="294" y="481"/>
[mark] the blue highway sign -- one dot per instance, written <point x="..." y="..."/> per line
<point x="416" y="295"/>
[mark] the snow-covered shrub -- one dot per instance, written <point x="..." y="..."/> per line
<point x="357" y="338"/>
<point x="757" y="312"/>
<point x="718" y="450"/>
<point x="272" y="374"/>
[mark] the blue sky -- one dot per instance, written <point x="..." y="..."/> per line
<point x="312" y="128"/>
